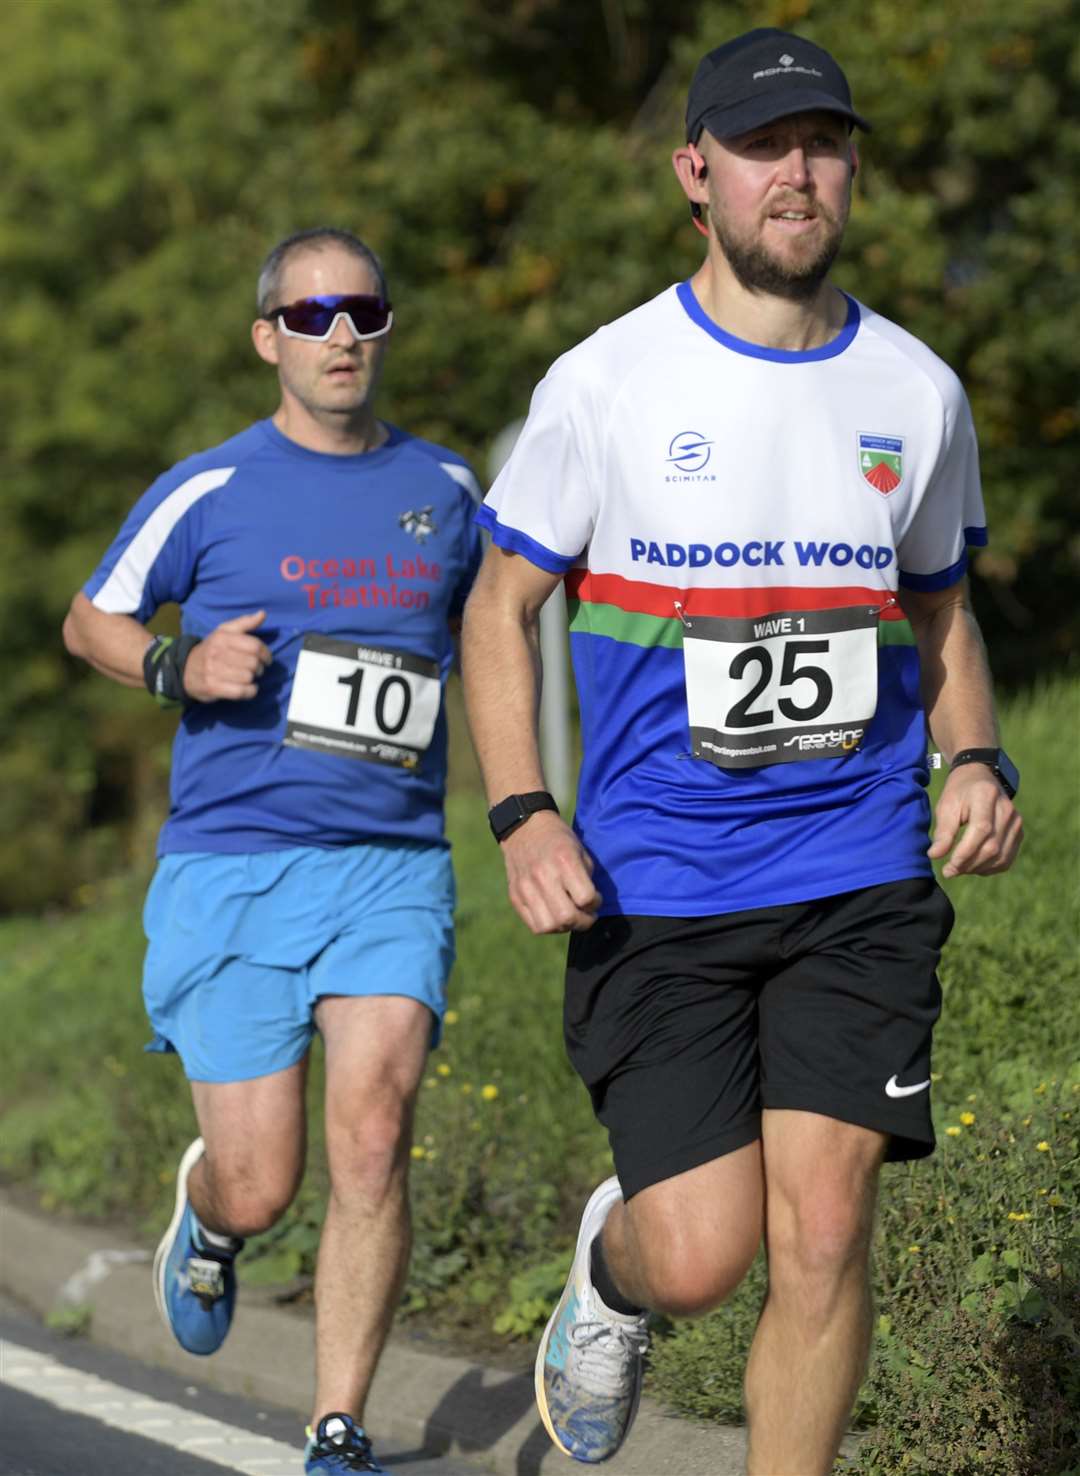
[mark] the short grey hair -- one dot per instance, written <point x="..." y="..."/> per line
<point x="273" y="268"/>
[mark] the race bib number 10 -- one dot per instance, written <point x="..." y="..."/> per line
<point x="362" y="702"/>
<point x="796" y="684"/>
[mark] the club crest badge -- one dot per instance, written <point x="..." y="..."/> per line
<point x="420" y="524"/>
<point x="881" y="462"/>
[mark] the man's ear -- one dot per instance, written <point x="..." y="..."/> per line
<point x="854" y="158"/>
<point x="692" y="171"/>
<point x="264" y="337"/>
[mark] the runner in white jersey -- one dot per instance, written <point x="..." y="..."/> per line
<point x="759" y="494"/>
<point x="321" y="560"/>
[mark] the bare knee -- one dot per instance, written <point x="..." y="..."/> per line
<point x="817" y="1247"/>
<point x="245" y="1197"/>
<point x="368" y="1155"/>
<point x="686" y="1276"/>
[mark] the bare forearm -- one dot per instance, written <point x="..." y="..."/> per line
<point x="502" y="673"/>
<point x="957" y="688"/>
<point x="113" y="644"/>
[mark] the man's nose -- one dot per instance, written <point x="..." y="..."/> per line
<point x="794" y="169"/>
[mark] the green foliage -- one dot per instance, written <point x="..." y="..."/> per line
<point x="510" y="163"/>
<point x="533" y="1294"/>
<point x="70" y="1319"/>
<point x="976" y="1358"/>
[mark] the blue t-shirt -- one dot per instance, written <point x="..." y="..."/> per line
<point x="360" y="562"/>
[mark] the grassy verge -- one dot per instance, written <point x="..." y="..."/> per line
<point x="978" y="1256"/>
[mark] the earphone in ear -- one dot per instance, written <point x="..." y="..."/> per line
<point x="700" y="171"/>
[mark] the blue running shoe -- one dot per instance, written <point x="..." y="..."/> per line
<point x="589" y="1365"/>
<point x="194" y="1285"/>
<point x="339" y="1446"/>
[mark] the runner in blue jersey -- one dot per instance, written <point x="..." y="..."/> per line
<point x="759" y="494"/>
<point x="321" y="560"/>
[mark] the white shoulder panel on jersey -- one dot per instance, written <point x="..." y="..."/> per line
<point x="918" y="354"/>
<point x="122" y="591"/>
<point x="464" y="478"/>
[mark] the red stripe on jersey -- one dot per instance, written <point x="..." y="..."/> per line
<point x="659" y="599"/>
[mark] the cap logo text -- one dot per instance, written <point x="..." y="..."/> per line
<point x="786" y="65"/>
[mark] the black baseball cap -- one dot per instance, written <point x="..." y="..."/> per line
<point x="763" y="75"/>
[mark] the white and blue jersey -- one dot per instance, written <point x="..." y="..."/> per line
<point x="735" y="526"/>
<point x="360" y="562"/>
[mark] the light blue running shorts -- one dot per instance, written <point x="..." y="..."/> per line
<point x="241" y="947"/>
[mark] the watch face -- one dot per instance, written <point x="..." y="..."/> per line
<point x="1008" y="771"/>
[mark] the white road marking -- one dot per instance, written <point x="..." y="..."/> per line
<point x="123" y="1409"/>
<point x="76" y="1288"/>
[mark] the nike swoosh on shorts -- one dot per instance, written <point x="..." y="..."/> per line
<point x="894" y="1089"/>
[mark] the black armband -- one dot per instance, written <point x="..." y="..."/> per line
<point x="163" y="668"/>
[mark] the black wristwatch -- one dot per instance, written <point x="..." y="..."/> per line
<point x="513" y="811"/>
<point x="997" y="761"/>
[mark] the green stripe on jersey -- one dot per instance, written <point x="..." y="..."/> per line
<point x="895" y="633"/>
<point x="635" y="629"/>
<point x="628" y="626"/>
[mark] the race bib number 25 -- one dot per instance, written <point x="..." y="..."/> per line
<point x="771" y="689"/>
<point x="363" y="702"/>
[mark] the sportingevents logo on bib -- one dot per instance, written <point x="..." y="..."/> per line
<point x="688" y="454"/>
<point x="881" y="462"/>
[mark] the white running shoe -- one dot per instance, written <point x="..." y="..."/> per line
<point x="589" y="1365"/>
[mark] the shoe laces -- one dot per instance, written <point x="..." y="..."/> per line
<point x="341" y="1438"/>
<point x="604" y="1353"/>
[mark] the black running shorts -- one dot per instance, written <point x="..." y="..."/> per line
<point x="683" y="1029"/>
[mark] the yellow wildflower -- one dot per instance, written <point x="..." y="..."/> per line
<point x="1026" y="1122"/>
<point x="489" y="1092"/>
<point x="451" y="1017"/>
<point x="935" y="1076"/>
<point x="1040" y="1088"/>
<point x="952" y="1132"/>
<point x="416" y="1151"/>
<point x="914" y="1250"/>
<point x="973" y="1097"/>
<point x="443" y="1069"/>
<point x="967" y="1118"/>
<point x="1019" y="1215"/>
<point x="1056" y="1200"/>
<point x="1043" y="1147"/>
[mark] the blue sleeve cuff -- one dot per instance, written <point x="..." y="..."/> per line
<point x="520" y="543"/>
<point x="973" y="538"/>
<point x="941" y="580"/>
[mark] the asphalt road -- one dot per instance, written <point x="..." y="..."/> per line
<point x="71" y="1408"/>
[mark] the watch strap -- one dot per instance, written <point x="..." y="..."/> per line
<point x="513" y="811"/>
<point x="997" y="760"/>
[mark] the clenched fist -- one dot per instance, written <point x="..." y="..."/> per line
<point x="228" y="662"/>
